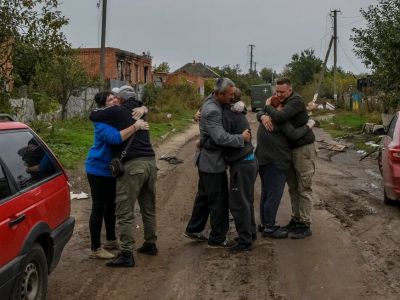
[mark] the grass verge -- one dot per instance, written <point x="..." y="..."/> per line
<point x="71" y="139"/>
<point x="349" y="125"/>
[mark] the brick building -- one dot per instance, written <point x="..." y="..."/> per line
<point x="193" y="73"/>
<point x="121" y="67"/>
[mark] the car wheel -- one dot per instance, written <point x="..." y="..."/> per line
<point x="380" y="161"/>
<point x="387" y="200"/>
<point x="32" y="285"/>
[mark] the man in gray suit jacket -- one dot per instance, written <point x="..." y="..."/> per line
<point x="212" y="195"/>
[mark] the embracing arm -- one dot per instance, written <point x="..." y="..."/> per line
<point x="212" y="120"/>
<point x="293" y="133"/>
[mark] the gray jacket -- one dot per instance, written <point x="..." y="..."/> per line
<point x="212" y="161"/>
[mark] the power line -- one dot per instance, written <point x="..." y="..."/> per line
<point x="348" y="58"/>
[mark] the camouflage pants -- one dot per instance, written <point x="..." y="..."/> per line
<point x="299" y="180"/>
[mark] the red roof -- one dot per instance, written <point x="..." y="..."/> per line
<point x="12" y="125"/>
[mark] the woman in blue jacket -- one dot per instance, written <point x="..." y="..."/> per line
<point x="102" y="184"/>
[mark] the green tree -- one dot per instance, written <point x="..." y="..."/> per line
<point x="162" y="67"/>
<point x="268" y="75"/>
<point x="62" y="78"/>
<point x="378" y="43"/>
<point x="302" y="68"/>
<point x="34" y="23"/>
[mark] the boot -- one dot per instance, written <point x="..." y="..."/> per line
<point x="124" y="259"/>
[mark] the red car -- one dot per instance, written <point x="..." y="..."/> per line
<point x="389" y="161"/>
<point x="35" y="221"/>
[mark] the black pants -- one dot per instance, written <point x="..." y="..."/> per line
<point x="243" y="175"/>
<point x="211" y="199"/>
<point x="103" y="207"/>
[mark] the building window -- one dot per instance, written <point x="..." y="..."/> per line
<point x="128" y="72"/>
<point x="120" y="70"/>
<point x="146" y="70"/>
<point x="137" y="73"/>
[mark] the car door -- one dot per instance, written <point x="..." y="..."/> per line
<point x="386" y="162"/>
<point x="34" y="196"/>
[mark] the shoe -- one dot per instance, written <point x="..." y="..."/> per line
<point x="111" y="245"/>
<point x="100" y="253"/>
<point x="148" y="248"/>
<point x="196" y="236"/>
<point x="301" y="232"/>
<point x="260" y="228"/>
<point x="224" y="244"/>
<point x="291" y="226"/>
<point x="124" y="259"/>
<point x="253" y="238"/>
<point x="278" y="233"/>
<point x="240" y="248"/>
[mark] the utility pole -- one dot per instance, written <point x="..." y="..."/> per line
<point x="321" y="76"/>
<point x="335" y="39"/>
<point x="251" y="56"/>
<point x="103" y="43"/>
<point x="255" y="66"/>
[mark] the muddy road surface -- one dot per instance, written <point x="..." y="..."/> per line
<point x="352" y="254"/>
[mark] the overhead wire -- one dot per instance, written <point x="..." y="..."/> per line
<point x="348" y="58"/>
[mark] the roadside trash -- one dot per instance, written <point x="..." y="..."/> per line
<point x="372" y="144"/>
<point x="79" y="196"/>
<point x="329" y="106"/>
<point x="169" y="116"/>
<point x="331" y="147"/>
<point x="362" y="152"/>
<point x="171" y="159"/>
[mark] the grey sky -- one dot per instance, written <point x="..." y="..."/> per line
<point x="218" y="32"/>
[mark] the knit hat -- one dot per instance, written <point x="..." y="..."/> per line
<point x="127" y="92"/>
<point x="115" y="91"/>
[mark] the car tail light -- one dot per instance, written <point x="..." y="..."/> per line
<point x="394" y="153"/>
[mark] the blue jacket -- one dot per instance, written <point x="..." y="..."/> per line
<point x="100" y="154"/>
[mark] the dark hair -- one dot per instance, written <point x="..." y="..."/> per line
<point x="101" y="97"/>
<point x="283" y="81"/>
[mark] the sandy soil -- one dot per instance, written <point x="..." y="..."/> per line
<point x="353" y="253"/>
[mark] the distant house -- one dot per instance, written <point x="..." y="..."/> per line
<point x="159" y="78"/>
<point x="193" y="73"/>
<point x="121" y="67"/>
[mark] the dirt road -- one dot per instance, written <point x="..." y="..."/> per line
<point x="353" y="253"/>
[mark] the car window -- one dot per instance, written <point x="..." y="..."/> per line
<point x="392" y="126"/>
<point x="28" y="161"/>
<point x="5" y="190"/>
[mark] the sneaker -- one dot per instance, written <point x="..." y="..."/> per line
<point x="224" y="244"/>
<point x="124" y="259"/>
<point x="111" y="245"/>
<point x="291" y="226"/>
<point x="260" y="228"/>
<point x="148" y="248"/>
<point x="278" y="233"/>
<point x="301" y="232"/>
<point x="240" y="248"/>
<point x="100" y="253"/>
<point x="196" y="236"/>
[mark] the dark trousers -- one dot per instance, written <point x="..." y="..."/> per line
<point x="211" y="199"/>
<point x="103" y="207"/>
<point x="243" y="174"/>
<point x="273" y="182"/>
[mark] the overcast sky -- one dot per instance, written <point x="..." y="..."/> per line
<point x="218" y="32"/>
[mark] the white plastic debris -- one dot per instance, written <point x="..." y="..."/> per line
<point x="79" y="196"/>
<point x="329" y="106"/>
<point x="362" y="152"/>
<point x="372" y="144"/>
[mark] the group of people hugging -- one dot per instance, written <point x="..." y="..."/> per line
<point x="285" y="153"/>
